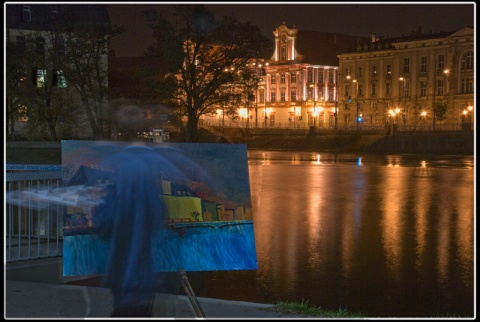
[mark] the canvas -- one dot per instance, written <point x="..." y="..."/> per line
<point x="205" y="192"/>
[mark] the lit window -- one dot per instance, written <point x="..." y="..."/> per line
<point x="41" y="76"/>
<point x="22" y="113"/>
<point x="61" y="82"/>
<point x="282" y="78"/>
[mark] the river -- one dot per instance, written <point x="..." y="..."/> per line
<point x="382" y="235"/>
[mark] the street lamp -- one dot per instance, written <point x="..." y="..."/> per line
<point x="314" y="110"/>
<point x="336" y="100"/>
<point x="356" y="99"/>
<point x="445" y="71"/>
<point x="402" y="79"/>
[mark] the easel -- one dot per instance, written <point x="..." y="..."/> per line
<point x="191" y="295"/>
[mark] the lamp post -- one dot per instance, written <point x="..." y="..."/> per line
<point x="402" y="79"/>
<point x="314" y="111"/>
<point x="445" y="71"/>
<point x="335" y="114"/>
<point x="356" y="99"/>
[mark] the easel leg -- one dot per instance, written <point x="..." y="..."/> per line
<point x="191" y="295"/>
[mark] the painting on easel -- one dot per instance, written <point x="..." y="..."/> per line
<point x="207" y="211"/>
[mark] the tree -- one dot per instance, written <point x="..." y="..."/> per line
<point x="203" y="55"/>
<point x="440" y="110"/>
<point x="85" y="66"/>
<point x="70" y="56"/>
<point x="15" y="85"/>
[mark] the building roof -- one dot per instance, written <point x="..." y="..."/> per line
<point x="52" y="16"/>
<point x="322" y="48"/>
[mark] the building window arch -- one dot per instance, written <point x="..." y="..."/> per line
<point x="467" y="60"/>
<point x="283" y="52"/>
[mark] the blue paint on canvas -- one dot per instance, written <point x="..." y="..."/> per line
<point x="209" y="222"/>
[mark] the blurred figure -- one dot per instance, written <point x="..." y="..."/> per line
<point x="130" y="217"/>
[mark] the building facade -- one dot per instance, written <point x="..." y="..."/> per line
<point x="298" y="85"/>
<point x="38" y="35"/>
<point x="401" y="80"/>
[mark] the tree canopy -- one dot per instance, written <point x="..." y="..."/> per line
<point x="202" y="54"/>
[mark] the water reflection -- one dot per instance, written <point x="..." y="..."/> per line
<point x="383" y="235"/>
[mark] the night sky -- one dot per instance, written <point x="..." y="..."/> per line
<point x="383" y="19"/>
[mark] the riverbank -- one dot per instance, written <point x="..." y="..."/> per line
<point x="414" y="142"/>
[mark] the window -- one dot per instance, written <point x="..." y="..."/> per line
<point x="282" y="96"/>
<point x="293" y="95"/>
<point x="359" y="72"/>
<point x="387" y="88"/>
<point x="467" y="85"/>
<point x="273" y="93"/>
<point x="347" y="70"/>
<point x="39" y="76"/>
<point x="423" y="88"/>
<point x="467" y="60"/>
<point x="347" y="90"/>
<point x="282" y="78"/>
<point x="262" y="96"/>
<point x="40" y="46"/>
<point x="360" y="89"/>
<point x="406" y="65"/>
<point x="59" y="79"/>
<point x="440" y="62"/>
<point x="374" y="71"/>
<point x="439" y="87"/>
<point x="26" y="13"/>
<point x="374" y="89"/>
<point x="406" y="89"/>
<point x="20" y="45"/>
<point x="22" y="113"/>
<point x="294" y="78"/>
<point x="273" y="79"/>
<point x="374" y="106"/>
<point x="53" y="14"/>
<point x="309" y="94"/>
<point x="320" y="76"/>
<point x="283" y="53"/>
<point x="330" y="77"/>
<point x="389" y="69"/>
<point x="61" y="46"/>
<point x="309" y="76"/>
<point x="423" y="64"/>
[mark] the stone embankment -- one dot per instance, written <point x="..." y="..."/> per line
<point x="414" y="142"/>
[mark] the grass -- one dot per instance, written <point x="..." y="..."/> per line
<point x="307" y="309"/>
<point x="314" y="311"/>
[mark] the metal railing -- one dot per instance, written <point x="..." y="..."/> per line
<point x="33" y="232"/>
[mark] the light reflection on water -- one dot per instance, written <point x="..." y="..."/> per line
<point x="382" y="235"/>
